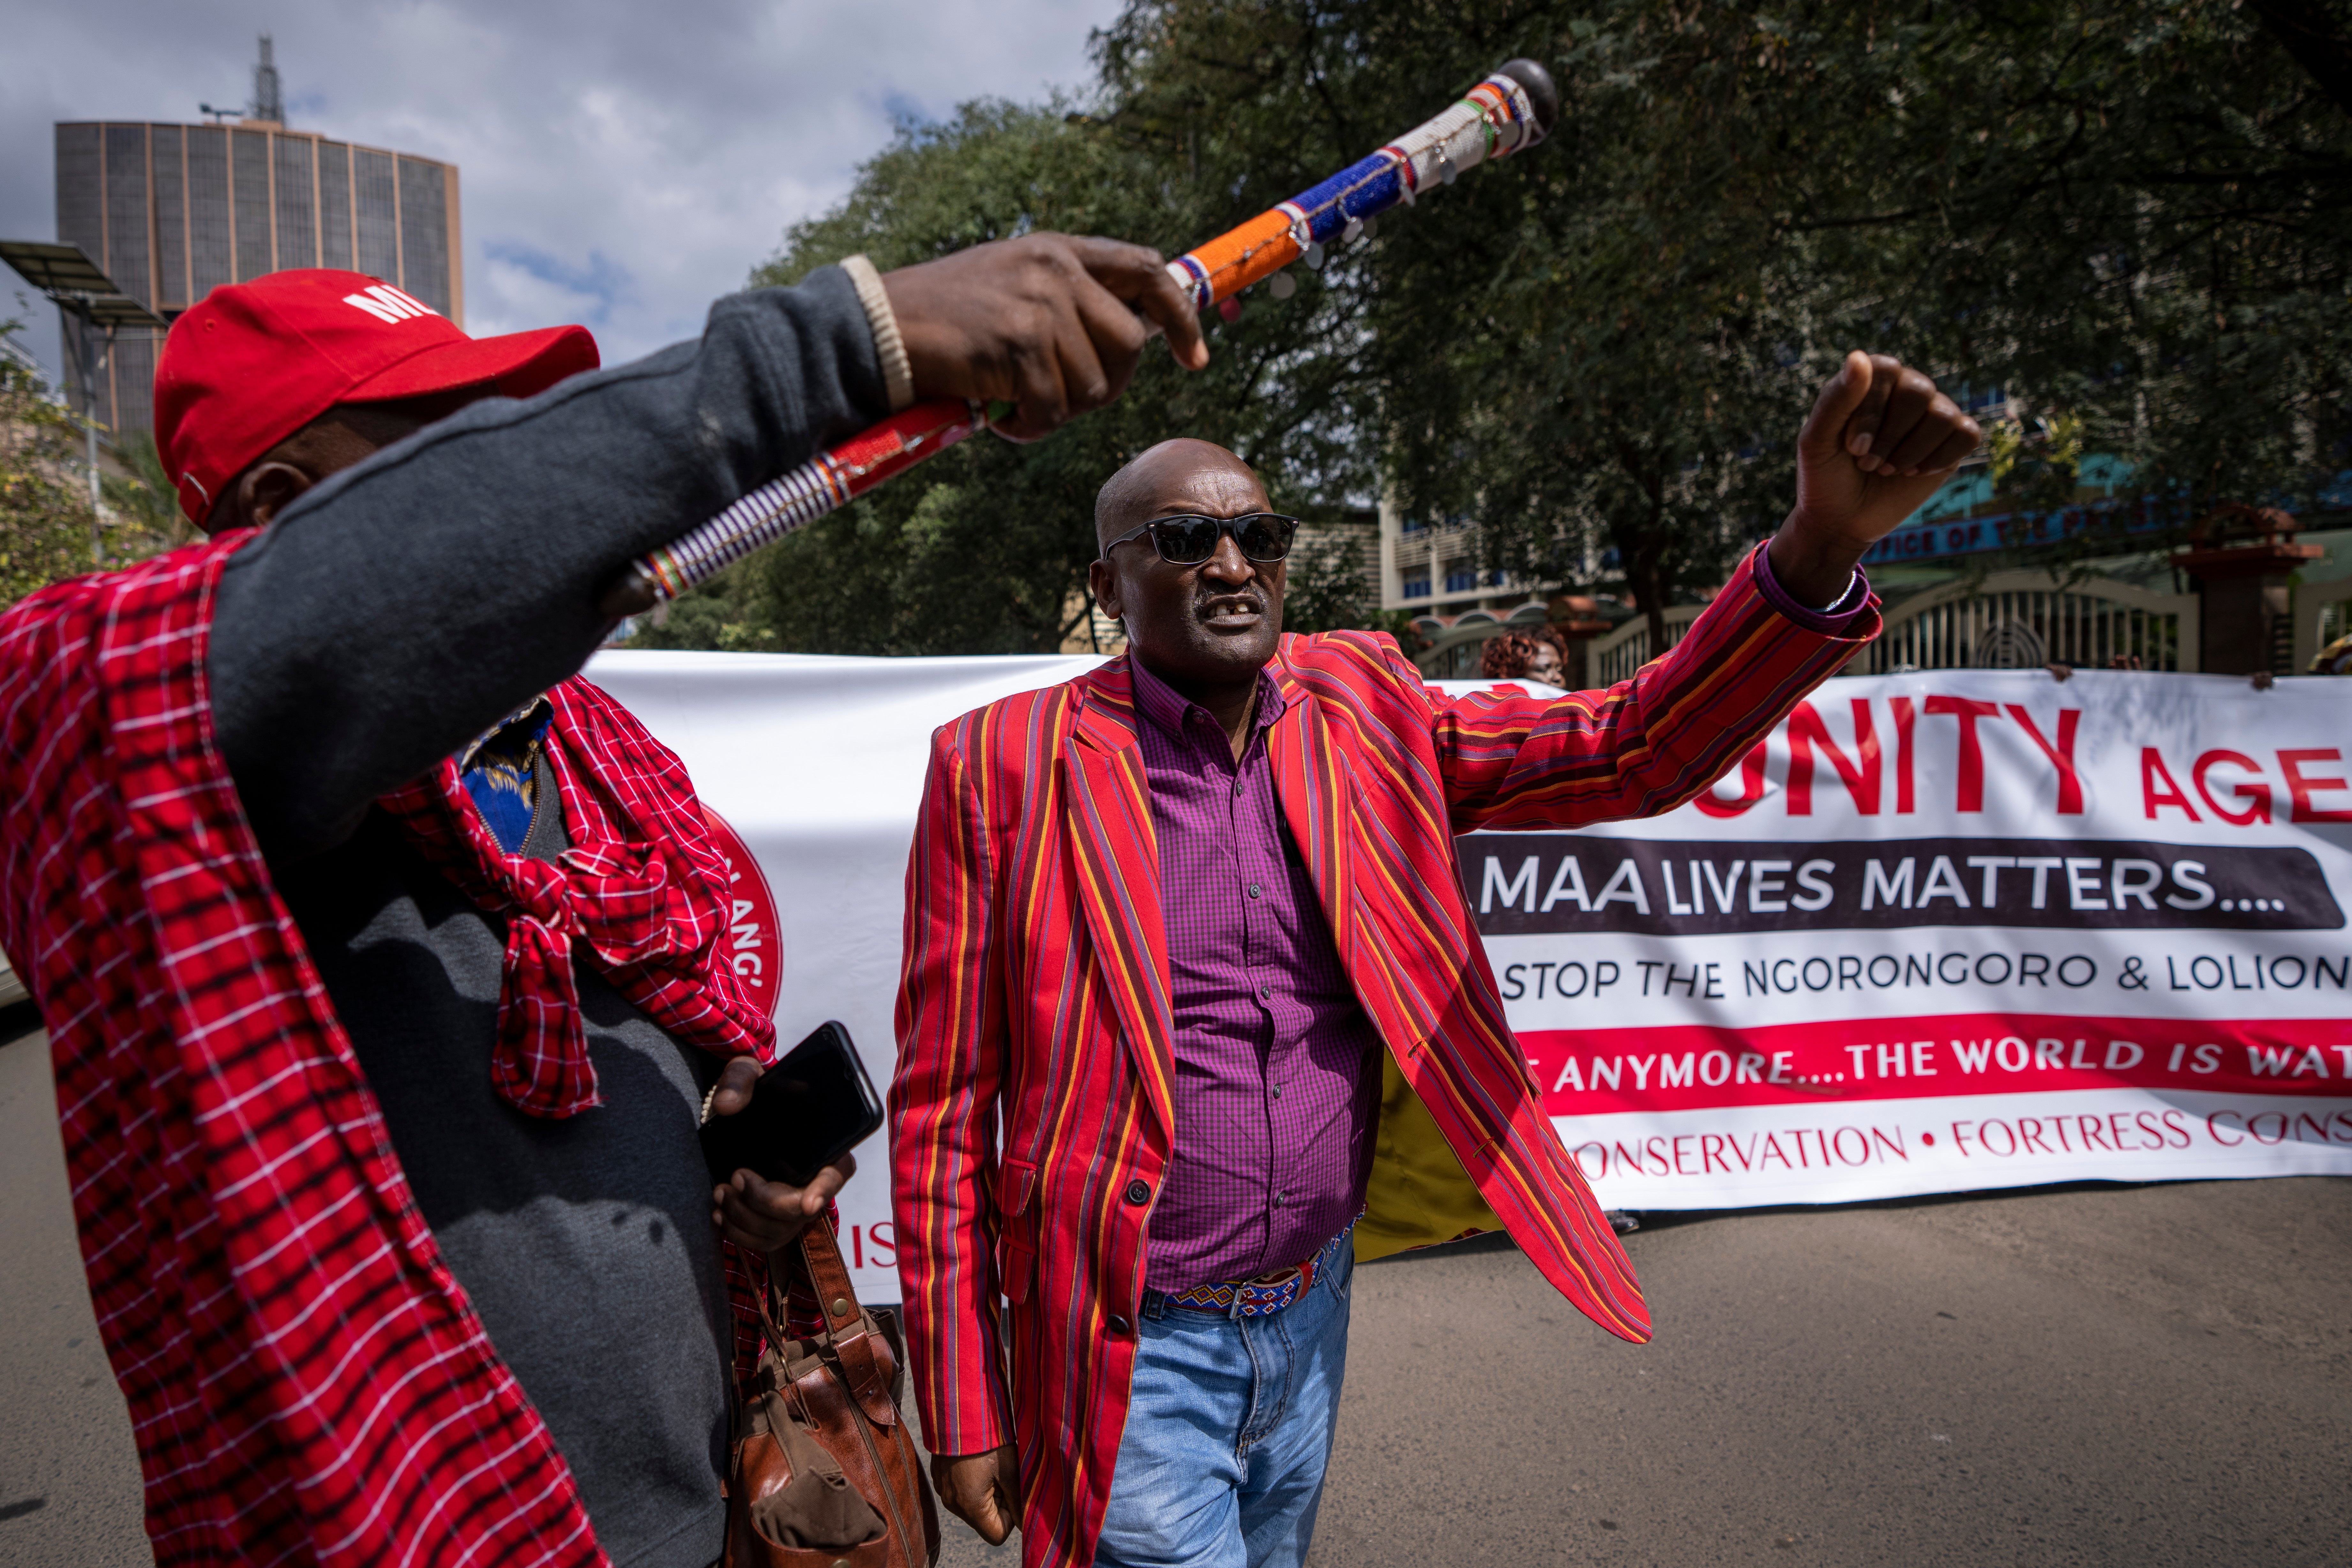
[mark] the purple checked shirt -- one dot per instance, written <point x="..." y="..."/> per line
<point x="1276" y="1076"/>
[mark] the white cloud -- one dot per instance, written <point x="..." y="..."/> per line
<point x="621" y="163"/>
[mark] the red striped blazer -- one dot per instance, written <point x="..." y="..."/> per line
<point x="1034" y="1068"/>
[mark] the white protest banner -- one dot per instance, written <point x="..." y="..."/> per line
<point x="816" y="766"/>
<point x="1952" y="930"/>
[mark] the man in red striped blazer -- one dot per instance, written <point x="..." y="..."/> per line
<point x="1194" y="1013"/>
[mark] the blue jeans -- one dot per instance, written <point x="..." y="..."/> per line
<point x="1229" y="1428"/>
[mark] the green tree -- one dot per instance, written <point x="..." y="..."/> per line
<point x="2135" y="217"/>
<point x="2134" y="214"/>
<point x="1561" y="352"/>
<point x="43" y="505"/>
<point x="45" y="510"/>
<point x="987" y="551"/>
<point x="2139" y="216"/>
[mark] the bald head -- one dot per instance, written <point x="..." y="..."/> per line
<point x="1208" y="627"/>
<point x="1178" y="476"/>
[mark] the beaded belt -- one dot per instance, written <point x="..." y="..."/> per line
<point x="1268" y="1293"/>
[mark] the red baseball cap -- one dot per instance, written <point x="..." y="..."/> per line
<point x="256" y="361"/>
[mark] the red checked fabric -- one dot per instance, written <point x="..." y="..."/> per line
<point x="305" y="1381"/>
<point x="651" y="928"/>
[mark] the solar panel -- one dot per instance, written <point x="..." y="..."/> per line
<point x="118" y="311"/>
<point x="69" y="277"/>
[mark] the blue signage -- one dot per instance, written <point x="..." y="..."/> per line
<point x="2011" y="530"/>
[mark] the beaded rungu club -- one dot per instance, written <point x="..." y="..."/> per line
<point x="1508" y="113"/>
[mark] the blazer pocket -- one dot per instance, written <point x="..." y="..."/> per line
<point x="1017" y="1251"/>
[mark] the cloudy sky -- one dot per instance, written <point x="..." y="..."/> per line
<point x="620" y="163"/>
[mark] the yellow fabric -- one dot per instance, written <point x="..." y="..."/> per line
<point x="1419" y="1193"/>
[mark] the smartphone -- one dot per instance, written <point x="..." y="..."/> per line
<point x="806" y="1111"/>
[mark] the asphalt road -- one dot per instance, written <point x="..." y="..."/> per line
<point x="68" y="1471"/>
<point x="2124" y="1375"/>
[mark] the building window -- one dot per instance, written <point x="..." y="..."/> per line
<point x="297" y="214"/>
<point x="210" y="258"/>
<point x="335" y="206"/>
<point x="1416" y="587"/>
<point x="250" y="182"/>
<point x="1461" y="581"/>
<point x="379" y="205"/>
<point x="424" y="233"/>
<point x="1414" y="525"/>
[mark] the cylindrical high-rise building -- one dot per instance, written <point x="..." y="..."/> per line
<point x="170" y="212"/>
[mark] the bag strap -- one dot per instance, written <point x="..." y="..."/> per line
<point x="848" y="1328"/>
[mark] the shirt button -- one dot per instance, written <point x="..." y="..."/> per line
<point x="1265" y="993"/>
<point x="1138" y="1193"/>
<point x="1277" y="1091"/>
<point x="1257" y="890"/>
<point x="1117" y="1325"/>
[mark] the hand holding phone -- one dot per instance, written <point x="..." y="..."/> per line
<point x="806" y="1113"/>
<point x="778" y="1141"/>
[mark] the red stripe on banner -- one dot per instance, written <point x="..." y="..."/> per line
<point x="1593" y="1072"/>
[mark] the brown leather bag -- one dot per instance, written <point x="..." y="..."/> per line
<point x="824" y="1473"/>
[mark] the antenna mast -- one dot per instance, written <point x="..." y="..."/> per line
<point x="268" y="103"/>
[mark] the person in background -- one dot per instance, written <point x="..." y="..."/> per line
<point x="380" y="953"/>
<point x="1538" y="654"/>
<point x="1551" y="663"/>
<point x="1195" y="1015"/>
<point x="1506" y="655"/>
<point x="1514" y="656"/>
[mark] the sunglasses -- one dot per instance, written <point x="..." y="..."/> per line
<point x="1263" y="537"/>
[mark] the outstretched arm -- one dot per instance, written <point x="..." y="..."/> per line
<point x="404" y="605"/>
<point x="1879" y="442"/>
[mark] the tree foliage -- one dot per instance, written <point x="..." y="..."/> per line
<point x="45" y="510"/>
<point x="44" y="507"/>
<point x="2133" y="214"/>
<point x="2129" y="215"/>
<point x="987" y="551"/>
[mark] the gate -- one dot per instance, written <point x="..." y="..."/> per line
<point x="2022" y="620"/>
<point x="1616" y="656"/>
<point x="2012" y="620"/>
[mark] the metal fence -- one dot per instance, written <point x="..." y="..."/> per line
<point x="2012" y="620"/>
<point x="2022" y="620"/>
<point x="1627" y="649"/>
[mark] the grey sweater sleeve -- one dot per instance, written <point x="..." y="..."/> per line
<point x="407" y="604"/>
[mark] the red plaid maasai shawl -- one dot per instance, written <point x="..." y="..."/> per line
<point x="307" y="1382"/>
<point x="649" y="920"/>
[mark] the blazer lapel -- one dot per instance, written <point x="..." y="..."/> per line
<point x="1320" y="801"/>
<point x="1118" y="862"/>
<point x="1352" y="864"/>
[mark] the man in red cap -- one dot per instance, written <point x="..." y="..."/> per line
<point x="372" y="940"/>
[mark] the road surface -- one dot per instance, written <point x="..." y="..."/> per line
<point x="2096" y="1375"/>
